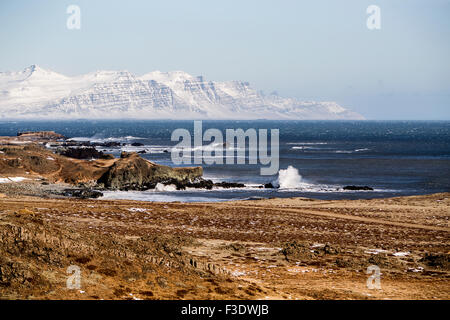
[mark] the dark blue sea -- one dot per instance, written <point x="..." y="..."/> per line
<point x="395" y="158"/>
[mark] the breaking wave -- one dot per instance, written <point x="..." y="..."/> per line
<point x="307" y="143"/>
<point x="101" y="139"/>
<point x="289" y="178"/>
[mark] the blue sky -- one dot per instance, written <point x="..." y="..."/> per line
<point x="319" y="49"/>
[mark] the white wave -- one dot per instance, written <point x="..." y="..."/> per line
<point x="162" y="187"/>
<point x="146" y="148"/>
<point x="157" y="196"/>
<point x="352" y="151"/>
<point x="213" y="147"/>
<point x="329" y="149"/>
<point x="307" y="143"/>
<point x="289" y="178"/>
<point x="307" y="148"/>
<point x="98" y="139"/>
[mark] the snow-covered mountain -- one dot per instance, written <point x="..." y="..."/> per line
<point x="35" y="93"/>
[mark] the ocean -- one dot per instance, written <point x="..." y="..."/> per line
<point x="395" y="158"/>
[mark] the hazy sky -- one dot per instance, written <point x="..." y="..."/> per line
<point x="315" y="49"/>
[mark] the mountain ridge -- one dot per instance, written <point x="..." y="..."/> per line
<point x="37" y="93"/>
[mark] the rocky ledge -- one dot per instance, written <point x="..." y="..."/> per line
<point x="131" y="172"/>
<point x="34" y="162"/>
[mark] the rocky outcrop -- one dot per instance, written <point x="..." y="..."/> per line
<point x="83" y="193"/>
<point x="131" y="172"/>
<point x="84" y="153"/>
<point x="440" y="261"/>
<point x="228" y="185"/>
<point x="358" y="188"/>
<point x="40" y="135"/>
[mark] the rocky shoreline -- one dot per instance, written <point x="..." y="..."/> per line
<point x="52" y="159"/>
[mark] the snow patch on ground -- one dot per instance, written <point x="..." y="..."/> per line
<point x="138" y="210"/>
<point x="375" y="251"/>
<point x="12" y="179"/>
<point x="401" y="254"/>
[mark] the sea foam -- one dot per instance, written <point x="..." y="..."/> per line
<point x="289" y="178"/>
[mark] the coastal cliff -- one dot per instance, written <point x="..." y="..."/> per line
<point x="133" y="172"/>
<point x="32" y="160"/>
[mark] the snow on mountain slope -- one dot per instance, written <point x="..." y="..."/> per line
<point x="36" y="93"/>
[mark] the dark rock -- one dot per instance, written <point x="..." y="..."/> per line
<point x="199" y="183"/>
<point x="109" y="144"/>
<point x="142" y="152"/>
<point x="329" y="249"/>
<point x="344" y="263"/>
<point x="378" y="259"/>
<point x="131" y="172"/>
<point x="137" y="144"/>
<point x="41" y="135"/>
<point x="124" y="154"/>
<point x="81" y="153"/>
<point x="441" y="261"/>
<point x="269" y="185"/>
<point x="298" y="251"/>
<point x="107" y="156"/>
<point x="76" y="144"/>
<point x="228" y="185"/>
<point x="83" y="193"/>
<point x="358" y="188"/>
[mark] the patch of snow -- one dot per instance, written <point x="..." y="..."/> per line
<point x="237" y="273"/>
<point x="137" y="210"/>
<point x="418" y="269"/>
<point x="401" y="254"/>
<point x="12" y="179"/>
<point x="375" y="251"/>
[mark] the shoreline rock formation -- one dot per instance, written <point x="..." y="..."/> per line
<point x="32" y="160"/>
<point x="131" y="172"/>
